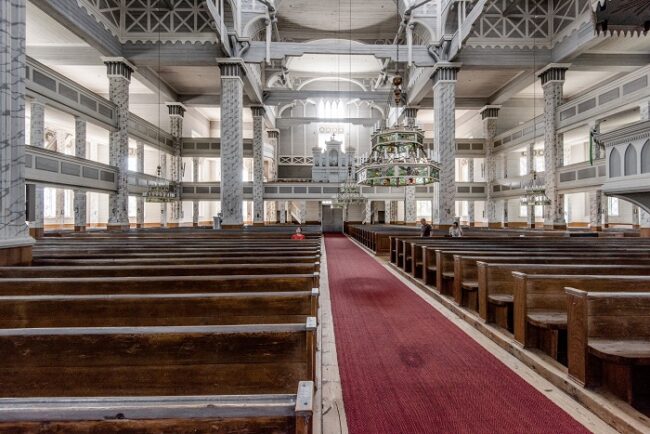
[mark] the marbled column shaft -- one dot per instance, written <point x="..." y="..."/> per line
<point x="80" y="203"/>
<point x="645" y="110"/>
<point x="139" y="150"/>
<point x="530" y="165"/>
<point x="489" y="132"/>
<point x="13" y="230"/>
<point x="367" y="212"/>
<point x="302" y="211"/>
<point x="387" y="212"/>
<point x="410" y="205"/>
<point x="37" y="138"/>
<point x="471" y="218"/>
<point x="195" y="203"/>
<point x="271" y="214"/>
<point x="552" y="84"/>
<point x="444" y="102"/>
<point x="282" y="206"/>
<point x="595" y="209"/>
<point x="636" y="218"/>
<point x="119" y="78"/>
<point x="163" y="174"/>
<point x="258" y="165"/>
<point x="60" y="193"/>
<point x="273" y="141"/>
<point x="232" y="150"/>
<point x="504" y="212"/>
<point x="176" y="130"/>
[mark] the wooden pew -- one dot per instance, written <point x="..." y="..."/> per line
<point x="496" y="282"/>
<point x="159" y="284"/>
<point x="540" y="305"/>
<point x="178" y="261"/>
<point x="139" y="310"/>
<point x="251" y="414"/>
<point x="158" y="270"/>
<point x="609" y="341"/>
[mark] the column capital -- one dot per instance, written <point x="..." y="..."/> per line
<point x="258" y="111"/>
<point x="445" y="72"/>
<point x="273" y="134"/>
<point x="231" y="68"/>
<point x="34" y="100"/>
<point x="176" y="109"/>
<point x="118" y="67"/>
<point x="490" y="112"/>
<point x="411" y="112"/>
<point x="553" y="72"/>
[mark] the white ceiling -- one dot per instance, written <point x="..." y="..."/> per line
<point x="337" y="65"/>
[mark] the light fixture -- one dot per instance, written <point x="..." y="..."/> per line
<point x="535" y="194"/>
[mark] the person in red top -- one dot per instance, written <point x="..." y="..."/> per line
<point x="298" y="235"/>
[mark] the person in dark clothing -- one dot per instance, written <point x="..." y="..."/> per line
<point x="425" y="228"/>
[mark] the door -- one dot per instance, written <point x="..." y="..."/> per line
<point x="332" y="219"/>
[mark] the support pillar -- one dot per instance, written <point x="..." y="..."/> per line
<point x="232" y="145"/>
<point x="258" y="165"/>
<point x="367" y="212"/>
<point x="595" y="210"/>
<point x="163" y="174"/>
<point x="119" y="78"/>
<point x="139" y="223"/>
<point x="410" y="205"/>
<point x="489" y="115"/>
<point x="176" y="113"/>
<point x="552" y="78"/>
<point x="530" y="164"/>
<point x="636" y="219"/>
<point x="282" y="206"/>
<point x="37" y="138"/>
<point x="604" y="211"/>
<point x="644" y="109"/>
<point x="195" y="203"/>
<point x="80" y="211"/>
<point x="444" y="103"/>
<point x="505" y="213"/>
<point x="60" y="192"/>
<point x="271" y="212"/>
<point x="15" y="242"/>
<point x="471" y="217"/>
<point x="302" y="211"/>
<point x="387" y="212"/>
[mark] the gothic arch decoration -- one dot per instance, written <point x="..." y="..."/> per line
<point x="423" y="34"/>
<point x="630" y="160"/>
<point x="614" y="163"/>
<point x="645" y="157"/>
<point x="255" y="29"/>
<point x="316" y="79"/>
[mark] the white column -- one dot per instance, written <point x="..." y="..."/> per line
<point x="444" y="102"/>
<point x="505" y="213"/>
<point x="119" y="77"/>
<point x="176" y="113"/>
<point x="271" y="212"/>
<point x="635" y="217"/>
<point x="645" y="110"/>
<point x="232" y="150"/>
<point x="60" y="193"/>
<point x="530" y="165"/>
<point x="195" y="203"/>
<point x="282" y="206"/>
<point x="552" y="82"/>
<point x="367" y="212"/>
<point x="387" y="212"/>
<point x="163" y="174"/>
<point x="140" y="199"/>
<point x="470" y="203"/>
<point x="410" y="205"/>
<point x="274" y="136"/>
<point x="14" y="235"/>
<point x="80" y="211"/>
<point x="489" y="115"/>
<point x="37" y="138"/>
<point x="258" y="165"/>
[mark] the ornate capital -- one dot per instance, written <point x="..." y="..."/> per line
<point x="231" y="68"/>
<point x="445" y="72"/>
<point x="554" y="72"/>
<point x="273" y="134"/>
<point x="176" y="109"/>
<point x="258" y="111"/>
<point x="411" y="112"/>
<point x="490" y="112"/>
<point x="118" y="67"/>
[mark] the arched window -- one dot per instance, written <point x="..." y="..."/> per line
<point x="630" y="160"/>
<point x="645" y="158"/>
<point x="614" y="163"/>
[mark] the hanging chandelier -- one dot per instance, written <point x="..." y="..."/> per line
<point x="164" y="192"/>
<point x="535" y="194"/>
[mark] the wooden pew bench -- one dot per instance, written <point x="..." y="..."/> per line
<point x="158" y="270"/>
<point x="251" y="414"/>
<point x="159" y="284"/>
<point x="138" y="310"/>
<point x="609" y="342"/>
<point x="540" y="305"/>
<point x="277" y="259"/>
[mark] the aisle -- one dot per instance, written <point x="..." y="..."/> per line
<point x="407" y="369"/>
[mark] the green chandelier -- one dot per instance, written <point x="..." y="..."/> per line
<point x="398" y="159"/>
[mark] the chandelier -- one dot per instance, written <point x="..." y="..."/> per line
<point x="398" y="159"/>
<point x="162" y="193"/>
<point x="535" y="194"/>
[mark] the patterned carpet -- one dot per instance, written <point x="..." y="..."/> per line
<point x="407" y="369"/>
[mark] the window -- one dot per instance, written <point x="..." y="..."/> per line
<point x="133" y="207"/>
<point x="68" y="200"/>
<point x="614" y="163"/>
<point x="613" y="206"/>
<point x="539" y="163"/>
<point x="523" y="211"/>
<point x="523" y="165"/>
<point x="423" y="209"/>
<point x="49" y="199"/>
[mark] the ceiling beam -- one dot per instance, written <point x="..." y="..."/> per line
<point x="172" y="54"/>
<point x="291" y="122"/>
<point x="75" y="19"/>
<point x="285" y="96"/>
<point x="609" y="62"/>
<point x="503" y="58"/>
<point x="280" y="50"/>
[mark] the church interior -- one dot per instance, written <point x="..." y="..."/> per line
<point x="324" y="217"/>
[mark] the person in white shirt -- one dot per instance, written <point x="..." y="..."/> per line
<point x="455" y="231"/>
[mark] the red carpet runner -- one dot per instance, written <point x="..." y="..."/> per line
<point x="407" y="369"/>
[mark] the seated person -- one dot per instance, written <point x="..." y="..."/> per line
<point x="298" y="235"/>
<point x="455" y="231"/>
<point x="425" y="228"/>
